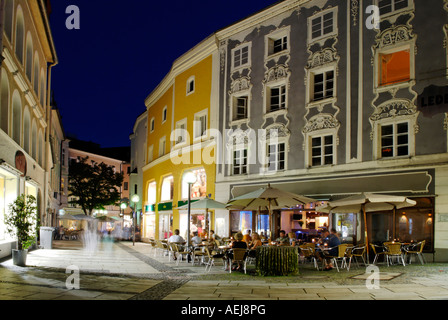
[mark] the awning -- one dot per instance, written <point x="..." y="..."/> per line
<point x="326" y="188"/>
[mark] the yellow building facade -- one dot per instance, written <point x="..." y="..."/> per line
<point x="181" y="115"/>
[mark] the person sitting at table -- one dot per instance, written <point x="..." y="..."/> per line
<point x="282" y="239"/>
<point x="247" y="238"/>
<point x="331" y="241"/>
<point x="196" y="240"/>
<point x="254" y="244"/>
<point x="292" y="239"/>
<point x="238" y="243"/>
<point x="176" y="238"/>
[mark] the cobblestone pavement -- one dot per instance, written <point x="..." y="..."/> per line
<point x="121" y="271"/>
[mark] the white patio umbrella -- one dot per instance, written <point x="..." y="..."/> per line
<point x="205" y="204"/>
<point x="367" y="202"/>
<point x="268" y="198"/>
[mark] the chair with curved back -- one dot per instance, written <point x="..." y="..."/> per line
<point x="307" y="253"/>
<point x="356" y="252"/>
<point x="416" y="249"/>
<point x="342" y="248"/>
<point x="179" y="253"/>
<point x="378" y="251"/>
<point x="239" y="255"/>
<point x="393" y="250"/>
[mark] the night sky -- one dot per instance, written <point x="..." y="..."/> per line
<point x="121" y="52"/>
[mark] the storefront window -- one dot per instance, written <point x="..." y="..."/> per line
<point x="199" y="188"/>
<point x="165" y="226"/>
<point x="150" y="226"/>
<point x="346" y="226"/>
<point x="152" y="193"/>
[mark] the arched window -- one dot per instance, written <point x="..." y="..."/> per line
<point x="29" y="57"/>
<point x="41" y="149"/>
<point x="34" y="141"/>
<point x="9" y="15"/>
<point x="26" y="130"/>
<point x="4" y="102"/>
<point x="16" y="117"/>
<point x="42" y="88"/>
<point x="152" y="194"/>
<point x="36" y="74"/>
<point x="20" y="34"/>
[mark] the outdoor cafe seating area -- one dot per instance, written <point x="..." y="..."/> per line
<point x="284" y="259"/>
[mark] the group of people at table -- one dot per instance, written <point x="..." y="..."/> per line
<point x="252" y="242"/>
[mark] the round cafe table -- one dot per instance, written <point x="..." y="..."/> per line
<point x="277" y="261"/>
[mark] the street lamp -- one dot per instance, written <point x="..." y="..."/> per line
<point x="135" y="198"/>
<point x="189" y="178"/>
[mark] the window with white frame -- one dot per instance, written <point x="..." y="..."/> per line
<point x="200" y="124"/>
<point x="322" y="25"/>
<point x="276" y="153"/>
<point x="240" y="108"/>
<point x="167" y="189"/>
<point x="395" y="140"/>
<point x="278" y="42"/>
<point x="164" y="114"/>
<point x="152" y="125"/>
<point x="322" y="85"/>
<point x="240" y="56"/>
<point x="391" y="6"/>
<point x="191" y="85"/>
<point x="322" y="150"/>
<point x="162" y="146"/>
<point x="239" y="163"/>
<point x="277" y="98"/>
<point x="150" y="153"/>
<point x="181" y="132"/>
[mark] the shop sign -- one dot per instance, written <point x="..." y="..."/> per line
<point x="433" y="100"/>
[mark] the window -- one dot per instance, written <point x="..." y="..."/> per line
<point x="150" y="153"/>
<point x="240" y="161"/>
<point x="323" y="25"/>
<point x="164" y="114"/>
<point x="277" y="43"/>
<point x="395" y="67"/>
<point x="277" y="99"/>
<point x="322" y="151"/>
<point x="152" y="125"/>
<point x="276" y="157"/>
<point x="162" y="146"/>
<point x="200" y="124"/>
<point x="190" y="85"/>
<point x="395" y="140"/>
<point x="181" y="131"/>
<point x="20" y="35"/>
<point x="323" y="85"/>
<point x="241" y="57"/>
<point x="199" y="188"/>
<point x="388" y="6"/>
<point x="240" y="108"/>
<point x="167" y="189"/>
<point x="126" y="186"/>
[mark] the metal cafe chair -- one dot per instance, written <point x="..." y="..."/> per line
<point x="356" y="252"/>
<point x="378" y="251"/>
<point x="342" y="248"/>
<point x="394" y="251"/>
<point x="239" y="255"/>
<point x="308" y="254"/>
<point x="415" y="249"/>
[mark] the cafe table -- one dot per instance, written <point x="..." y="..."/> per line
<point x="277" y="261"/>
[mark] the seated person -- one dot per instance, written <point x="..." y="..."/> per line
<point x="176" y="238"/>
<point x="196" y="240"/>
<point x="255" y="243"/>
<point x="282" y="239"/>
<point x="331" y="241"/>
<point x="247" y="238"/>
<point x="238" y="243"/>
<point x="292" y="239"/>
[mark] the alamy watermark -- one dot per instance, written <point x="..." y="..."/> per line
<point x="73" y="21"/>
<point x="73" y="281"/>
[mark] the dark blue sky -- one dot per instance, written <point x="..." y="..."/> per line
<point x="121" y="52"/>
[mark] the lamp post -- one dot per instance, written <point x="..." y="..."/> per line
<point x="135" y="199"/>
<point x="189" y="178"/>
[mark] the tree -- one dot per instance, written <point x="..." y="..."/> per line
<point x="94" y="185"/>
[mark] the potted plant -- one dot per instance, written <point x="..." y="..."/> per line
<point x="21" y="222"/>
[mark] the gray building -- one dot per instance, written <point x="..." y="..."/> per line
<point x="318" y="100"/>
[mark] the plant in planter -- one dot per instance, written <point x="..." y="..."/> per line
<point x="21" y="222"/>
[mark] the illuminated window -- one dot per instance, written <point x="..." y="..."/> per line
<point x="395" y="67"/>
<point x="167" y="189"/>
<point x="199" y="188"/>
